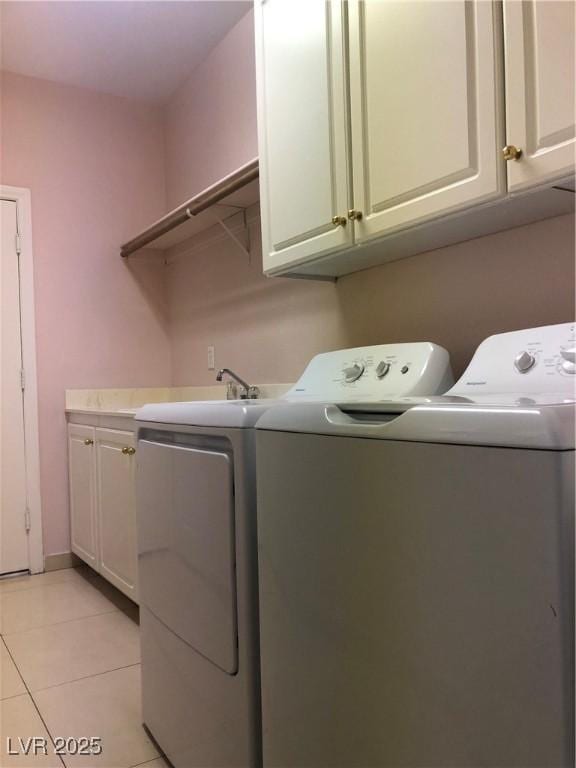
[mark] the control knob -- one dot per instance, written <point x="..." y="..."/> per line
<point x="568" y="360"/>
<point x="524" y="361"/>
<point x="382" y="369"/>
<point x="353" y="372"/>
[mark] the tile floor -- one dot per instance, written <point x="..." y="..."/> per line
<point x="70" y="667"/>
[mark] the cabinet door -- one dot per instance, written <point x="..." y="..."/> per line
<point x="117" y="509"/>
<point x="540" y="86"/>
<point x="426" y="106"/>
<point x="302" y="129"/>
<point x="83" y="493"/>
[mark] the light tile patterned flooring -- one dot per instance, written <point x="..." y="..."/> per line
<point x="70" y="667"/>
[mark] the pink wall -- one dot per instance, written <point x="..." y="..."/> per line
<point x="459" y="295"/>
<point x="269" y="328"/>
<point x="264" y="329"/>
<point x="95" y="166"/>
<point x="211" y="120"/>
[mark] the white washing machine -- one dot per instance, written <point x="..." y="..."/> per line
<point x="416" y="566"/>
<point x="197" y="550"/>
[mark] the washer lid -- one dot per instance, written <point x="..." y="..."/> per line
<point x="548" y="426"/>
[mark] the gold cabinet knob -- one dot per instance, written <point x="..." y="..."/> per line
<point x="339" y="221"/>
<point x="510" y="152"/>
<point x="128" y="450"/>
<point x="354" y="215"/>
<point x="88" y="441"/>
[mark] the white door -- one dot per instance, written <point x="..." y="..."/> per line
<point x="540" y="87"/>
<point x="116" y="509"/>
<point x="14" y="554"/>
<point x="425" y="108"/>
<point x="302" y="124"/>
<point x="82" y="469"/>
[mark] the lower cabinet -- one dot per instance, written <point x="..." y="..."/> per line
<point x="103" y="503"/>
<point x="82" y="471"/>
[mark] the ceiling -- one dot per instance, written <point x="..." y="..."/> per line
<point x="141" y="49"/>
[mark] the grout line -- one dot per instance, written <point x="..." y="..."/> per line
<point x="55" y="583"/>
<point x="47" y="729"/>
<point x="84" y="677"/>
<point x="149" y="762"/>
<point x="14" y="696"/>
<point x="14" y="662"/>
<point x="20" y="675"/>
<point x="58" y="623"/>
<point x="29" y="693"/>
<point x="45" y="585"/>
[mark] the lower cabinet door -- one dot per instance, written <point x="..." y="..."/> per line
<point x="83" y="493"/>
<point x="116" y="513"/>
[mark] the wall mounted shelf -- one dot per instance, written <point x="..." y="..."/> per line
<point x="232" y="194"/>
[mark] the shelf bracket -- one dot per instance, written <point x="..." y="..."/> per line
<point x="244" y="247"/>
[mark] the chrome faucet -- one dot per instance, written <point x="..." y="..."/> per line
<point x="247" y="392"/>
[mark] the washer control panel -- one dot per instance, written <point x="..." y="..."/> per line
<point x="537" y="360"/>
<point x="375" y="373"/>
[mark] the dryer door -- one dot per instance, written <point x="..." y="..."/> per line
<point x="186" y="546"/>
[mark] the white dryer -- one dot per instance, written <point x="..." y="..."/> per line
<point x="197" y="550"/>
<point x="416" y="566"/>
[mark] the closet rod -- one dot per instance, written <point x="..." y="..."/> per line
<point x="213" y="195"/>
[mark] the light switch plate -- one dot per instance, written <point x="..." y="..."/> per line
<point x="211" y="355"/>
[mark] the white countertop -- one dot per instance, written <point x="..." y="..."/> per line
<point x="125" y="412"/>
<point x="126" y="402"/>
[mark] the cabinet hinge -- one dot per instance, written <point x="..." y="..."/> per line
<point x="18" y="243"/>
<point x="27" y="524"/>
<point x="22" y="379"/>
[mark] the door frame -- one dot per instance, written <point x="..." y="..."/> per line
<point x="22" y="197"/>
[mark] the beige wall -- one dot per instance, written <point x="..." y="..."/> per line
<point x="456" y="296"/>
<point x="268" y="328"/>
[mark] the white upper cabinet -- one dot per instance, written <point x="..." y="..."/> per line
<point x="540" y="87"/>
<point x="386" y="126"/>
<point x="302" y="123"/>
<point x="427" y="126"/>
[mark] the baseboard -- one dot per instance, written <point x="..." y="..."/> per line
<point x="60" y="561"/>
